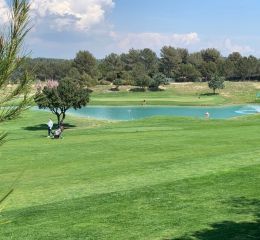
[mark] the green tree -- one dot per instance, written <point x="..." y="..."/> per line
<point x="232" y="64"/>
<point x="60" y="96"/>
<point x="216" y="82"/>
<point x="88" y="81"/>
<point x="184" y="54"/>
<point x="127" y="78"/>
<point x="85" y="80"/>
<point x="210" y="55"/>
<point x="140" y="77"/>
<point x="157" y="80"/>
<point x="234" y="57"/>
<point x="74" y="74"/>
<point x="170" y="61"/>
<point x="111" y="67"/>
<point x="195" y="59"/>
<point x="253" y="63"/>
<point x="227" y="69"/>
<point x="11" y="59"/>
<point x="188" y="73"/>
<point x="130" y="59"/>
<point x="243" y="68"/>
<point x="143" y="81"/>
<point x="208" y="70"/>
<point x="150" y="61"/>
<point x="136" y="62"/>
<point x="45" y="68"/>
<point x="85" y="62"/>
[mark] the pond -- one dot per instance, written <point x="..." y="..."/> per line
<point x="139" y="112"/>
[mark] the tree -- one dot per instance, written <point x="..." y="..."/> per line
<point x="234" y="57"/>
<point x="232" y="65"/>
<point x="143" y="81"/>
<point x="130" y="59"/>
<point x="216" y="82"/>
<point x="85" y="62"/>
<point x="195" y="59"/>
<point x="253" y="63"/>
<point x="208" y="70"/>
<point x="47" y="68"/>
<point x="227" y="69"/>
<point x="188" y="73"/>
<point x="243" y="68"/>
<point x="184" y="54"/>
<point x="157" y="80"/>
<point x="170" y="61"/>
<point x="140" y="77"/>
<point x="85" y="80"/>
<point x="145" y="59"/>
<point x="111" y="67"/>
<point x="61" y="96"/>
<point x="127" y="78"/>
<point x="150" y="61"/>
<point x="88" y="81"/>
<point x="210" y="55"/>
<point x="11" y="59"/>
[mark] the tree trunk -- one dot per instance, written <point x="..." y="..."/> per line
<point x="58" y="119"/>
<point x="63" y="117"/>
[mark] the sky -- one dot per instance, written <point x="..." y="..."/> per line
<point x="63" y="27"/>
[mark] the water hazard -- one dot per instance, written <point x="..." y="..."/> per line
<point x="139" y="112"/>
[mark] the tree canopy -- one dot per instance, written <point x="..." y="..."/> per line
<point x="216" y="82"/>
<point x="177" y="64"/>
<point x="60" y="96"/>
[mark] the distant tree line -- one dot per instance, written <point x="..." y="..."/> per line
<point x="143" y="68"/>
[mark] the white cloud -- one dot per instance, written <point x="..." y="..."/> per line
<point x="230" y="47"/>
<point x="77" y="15"/>
<point x="60" y="15"/>
<point x="4" y="12"/>
<point x="153" y="40"/>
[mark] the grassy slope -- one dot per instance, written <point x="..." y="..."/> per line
<point x="160" y="178"/>
<point x="179" y="94"/>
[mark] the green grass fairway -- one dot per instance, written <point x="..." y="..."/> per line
<point x="154" y="179"/>
<point x="189" y="94"/>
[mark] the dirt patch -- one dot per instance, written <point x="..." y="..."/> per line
<point x="180" y="84"/>
<point x="256" y="85"/>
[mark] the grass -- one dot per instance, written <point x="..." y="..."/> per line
<point x="189" y="94"/>
<point x="176" y="94"/>
<point x="157" y="178"/>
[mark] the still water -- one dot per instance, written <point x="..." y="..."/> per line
<point x="139" y="112"/>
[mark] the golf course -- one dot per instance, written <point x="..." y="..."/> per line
<point x="129" y="120"/>
<point x="178" y="94"/>
<point x="155" y="178"/>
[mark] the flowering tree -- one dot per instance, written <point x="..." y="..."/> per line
<point x="49" y="84"/>
<point x="12" y="58"/>
<point x="59" y="97"/>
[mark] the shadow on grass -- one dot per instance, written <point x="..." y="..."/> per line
<point x="137" y="90"/>
<point x="153" y="89"/>
<point x="229" y="230"/>
<point x="114" y="89"/>
<point x="41" y="127"/>
<point x="208" y="94"/>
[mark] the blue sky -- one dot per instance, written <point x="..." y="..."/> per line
<point x="63" y="27"/>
